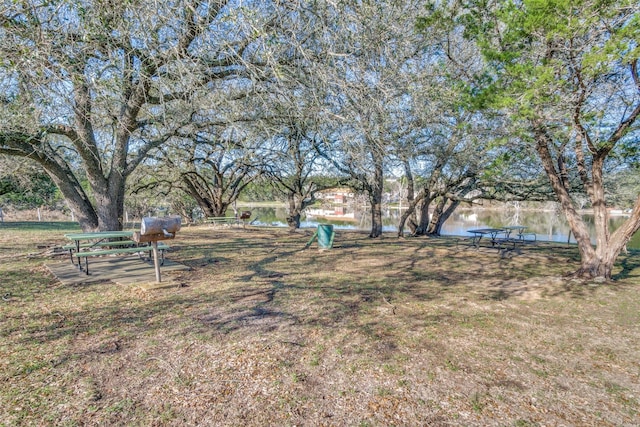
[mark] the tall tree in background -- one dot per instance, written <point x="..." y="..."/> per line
<point x="440" y="175"/>
<point x="442" y="157"/>
<point x="215" y="168"/>
<point x="566" y="75"/>
<point x="443" y="147"/>
<point x="297" y="107"/>
<point x="294" y="169"/>
<point x="368" y="78"/>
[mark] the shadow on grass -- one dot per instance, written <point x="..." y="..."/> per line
<point x="253" y="285"/>
<point x="40" y="226"/>
<point x="630" y="264"/>
<point x="412" y="268"/>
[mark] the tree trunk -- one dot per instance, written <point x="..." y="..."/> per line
<point x="185" y="211"/>
<point x="409" y="215"/>
<point x="601" y="262"/>
<point x="423" y="216"/>
<point x="77" y="200"/>
<point x="418" y="224"/>
<point x="598" y="261"/>
<point x="70" y="188"/>
<point x="109" y="196"/>
<point x="375" y="197"/>
<point x="295" y="211"/>
<point x="109" y="207"/>
<point x="577" y="225"/>
<point x="210" y="205"/>
<point x="441" y="214"/>
<point x="376" y="216"/>
<point x="432" y="228"/>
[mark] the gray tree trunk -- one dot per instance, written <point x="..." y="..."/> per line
<point x="598" y="261"/>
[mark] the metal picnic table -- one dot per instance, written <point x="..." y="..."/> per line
<point x="493" y="233"/>
<point x="95" y="238"/>
<point x="479" y="233"/>
<point x="522" y="235"/>
<point x="510" y="228"/>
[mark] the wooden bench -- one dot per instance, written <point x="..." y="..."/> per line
<point x="137" y="249"/>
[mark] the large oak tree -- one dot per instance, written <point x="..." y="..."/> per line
<point x="92" y="87"/>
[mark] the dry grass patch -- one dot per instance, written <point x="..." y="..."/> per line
<point x="374" y="332"/>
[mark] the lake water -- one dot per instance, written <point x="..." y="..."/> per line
<point x="547" y="226"/>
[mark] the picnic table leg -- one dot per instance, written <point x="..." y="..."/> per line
<point x="156" y="261"/>
<point x="494" y="239"/>
<point x="78" y="251"/>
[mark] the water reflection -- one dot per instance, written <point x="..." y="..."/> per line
<point x="546" y="225"/>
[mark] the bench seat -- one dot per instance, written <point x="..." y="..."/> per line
<point x="138" y="249"/>
<point x="72" y="246"/>
<point x="161" y="246"/>
<point x="500" y="242"/>
<point x="497" y="243"/>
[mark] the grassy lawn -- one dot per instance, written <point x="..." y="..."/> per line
<point x="372" y="333"/>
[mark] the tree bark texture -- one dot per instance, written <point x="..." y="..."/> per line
<point x="375" y="196"/>
<point x="595" y="261"/>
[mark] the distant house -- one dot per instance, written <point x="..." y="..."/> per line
<point x="335" y="201"/>
<point x="340" y="195"/>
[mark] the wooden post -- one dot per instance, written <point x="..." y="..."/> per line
<point x="156" y="261"/>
